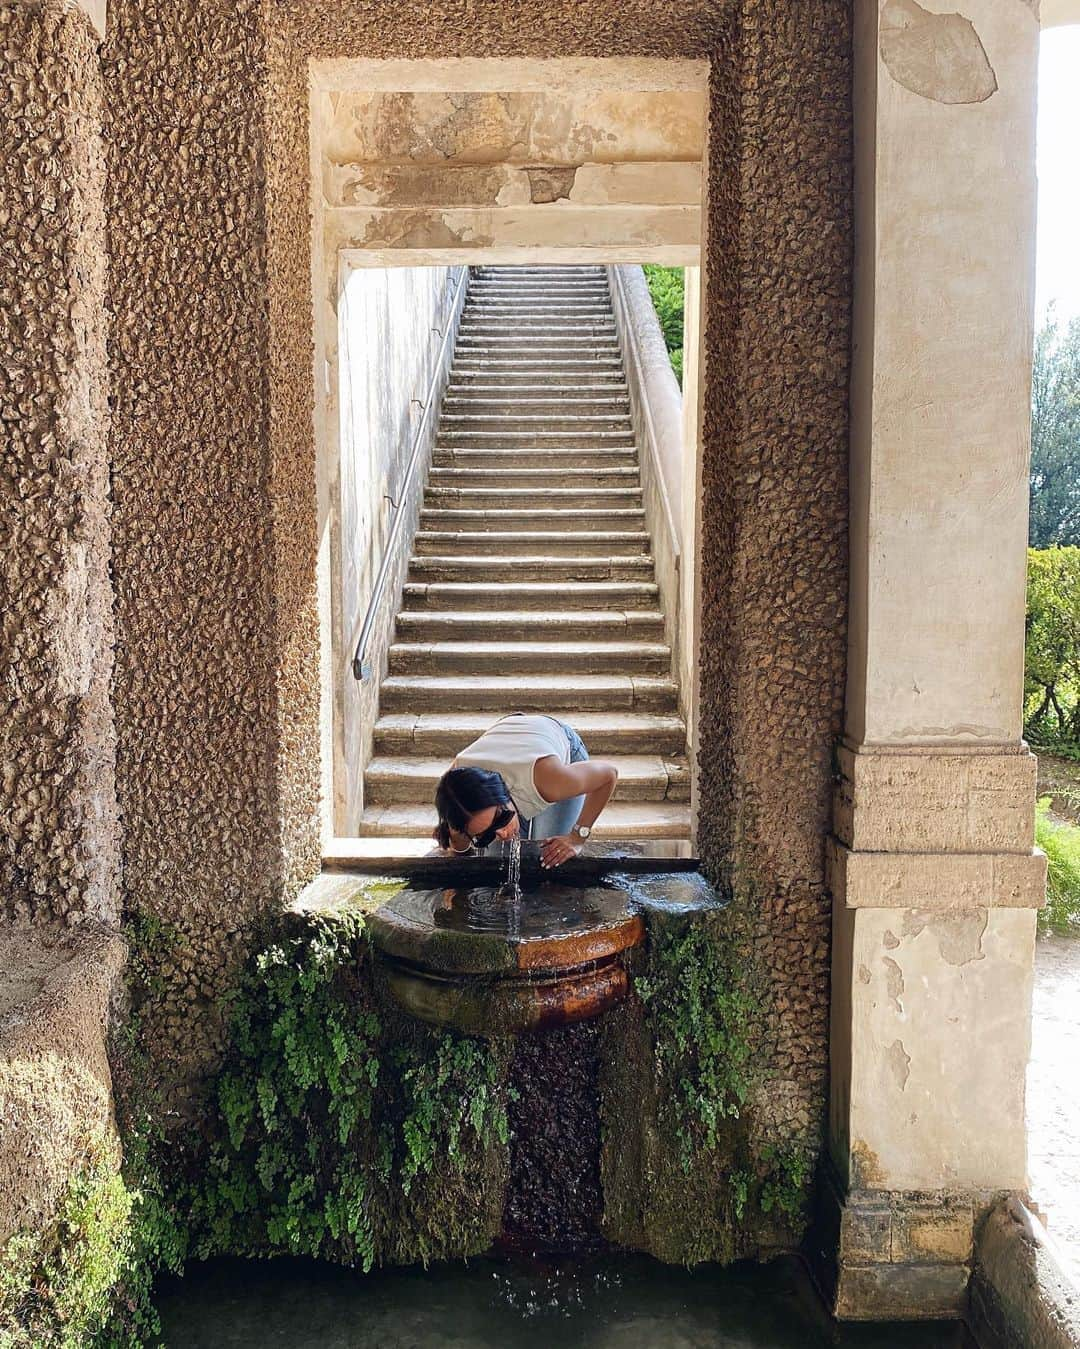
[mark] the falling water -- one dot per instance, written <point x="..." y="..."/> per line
<point x="513" y="867"/>
<point x="512" y="888"/>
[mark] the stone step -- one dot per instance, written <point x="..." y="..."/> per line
<point x="537" y="312"/>
<point x="530" y="498"/>
<point x="444" y="733"/>
<point x="510" y="325"/>
<point x="519" y="369"/>
<point x="572" y="625"/>
<point x="522" y="440"/>
<point x="493" y="520"/>
<point x="391" y="780"/>
<point x="511" y="478"/>
<point x="603" y="385"/>
<point x="533" y="692"/>
<point x="479" y="281"/>
<point x="514" y="423"/>
<point x="478" y="658"/>
<point x="519" y="567"/>
<point x="497" y="398"/>
<point x="528" y="298"/>
<point x="558" y="345"/>
<point x="578" y="458"/>
<point x="621" y="820"/>
<point x="569" y="270"/>
<point x="581" y="543"/>
<point x="520" y="595"/>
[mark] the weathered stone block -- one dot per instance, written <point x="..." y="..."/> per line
<point x="866" y="1232"/>
<point x="935" y="802"/>
<point x="927" y="1292"/>
<point x="936" y="880"/>
<point x="940" y="1231"/>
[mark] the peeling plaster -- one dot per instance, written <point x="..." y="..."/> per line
<point x="864" y="975"/>
<point x="890" y="941"/>
<point x="894" y="982"/>
<point x="938" y="56"/>
<point x="547" y="184"/>
<point x="959" y="935"/>
<point x="899" y="1063"/>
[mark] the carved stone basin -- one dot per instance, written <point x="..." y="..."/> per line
<point x="486" y="964"/>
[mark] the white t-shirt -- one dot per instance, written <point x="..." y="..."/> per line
<point x="511" y="748"/>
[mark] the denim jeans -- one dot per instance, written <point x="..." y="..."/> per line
<point x="561" y="816"/>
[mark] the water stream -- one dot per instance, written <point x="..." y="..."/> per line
<point x="610" y="1303"/>
<point x="511" y="889"/>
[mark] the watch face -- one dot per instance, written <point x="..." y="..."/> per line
<point x="583" y="831"/>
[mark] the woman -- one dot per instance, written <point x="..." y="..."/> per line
<point x="529" y="775"/>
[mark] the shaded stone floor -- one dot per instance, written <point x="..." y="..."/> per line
<point x="1054" y="1091"/>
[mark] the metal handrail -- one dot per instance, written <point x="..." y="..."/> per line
<point x="360" y="668"/>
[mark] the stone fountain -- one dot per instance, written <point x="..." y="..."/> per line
<point x="465" y="948"/>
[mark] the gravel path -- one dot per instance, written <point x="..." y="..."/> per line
<point x="1053" y="1104"/>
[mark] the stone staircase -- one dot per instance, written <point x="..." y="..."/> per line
<point x="531" y="586"/>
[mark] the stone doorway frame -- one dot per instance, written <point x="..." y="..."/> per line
<point x="331" y="264"/>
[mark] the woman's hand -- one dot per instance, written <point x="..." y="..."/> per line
<point x="558" y="849"/>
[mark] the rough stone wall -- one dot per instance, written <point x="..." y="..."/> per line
<point x="58" y="828"/>
<point x="55" y="1087"/>
<point x="200" y="663"/>
<point x="774" y="456"/>
<point x="217" y="681"/>
<point x="773" y="547"/>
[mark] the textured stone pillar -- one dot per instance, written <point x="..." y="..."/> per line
<point x="935" y="883"/>
<point x="58" y="831"/>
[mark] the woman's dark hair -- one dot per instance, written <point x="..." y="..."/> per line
<point x="461" y="793"/>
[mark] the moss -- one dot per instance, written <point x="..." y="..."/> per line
<point x="58" y="1284"/>
<point x="684" y="1177"/>
<point x="345" y="1131"/>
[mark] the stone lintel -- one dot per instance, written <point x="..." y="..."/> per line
<point x="557" y="224"/>
<point x="930" y="800"/>
<point x="424" y="186"/>
<point x="935" y="881"/>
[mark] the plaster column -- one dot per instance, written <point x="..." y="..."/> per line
<point x="934" y="879"/>
<point x="58" y="820"/>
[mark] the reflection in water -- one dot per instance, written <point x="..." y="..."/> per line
<point x="541" y="911"/>
<point x="631" y="1303"/>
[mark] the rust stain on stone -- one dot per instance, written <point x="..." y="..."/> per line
<point x="866" y="1172"/>
<point x="938" y="56"/>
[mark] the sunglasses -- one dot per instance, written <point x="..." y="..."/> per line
<point x="501" y="820"/>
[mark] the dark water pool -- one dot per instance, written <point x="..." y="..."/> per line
<point x="609" y="1304"/>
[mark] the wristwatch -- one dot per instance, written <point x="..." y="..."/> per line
<point x="582" y="830"/>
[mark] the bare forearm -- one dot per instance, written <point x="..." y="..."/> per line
<point x="598" y="797"/>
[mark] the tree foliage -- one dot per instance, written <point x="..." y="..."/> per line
<point x="667" y="288"/>
<point x="1052" y="645"/>
<point x="1055" y="436"/>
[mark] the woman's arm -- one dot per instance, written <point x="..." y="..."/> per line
<point x="595" y="779"/>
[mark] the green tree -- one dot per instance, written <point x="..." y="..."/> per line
<point x="1055" y="436"/>
<point x="1052" y="645"/>
<point x="667" y="288"/>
